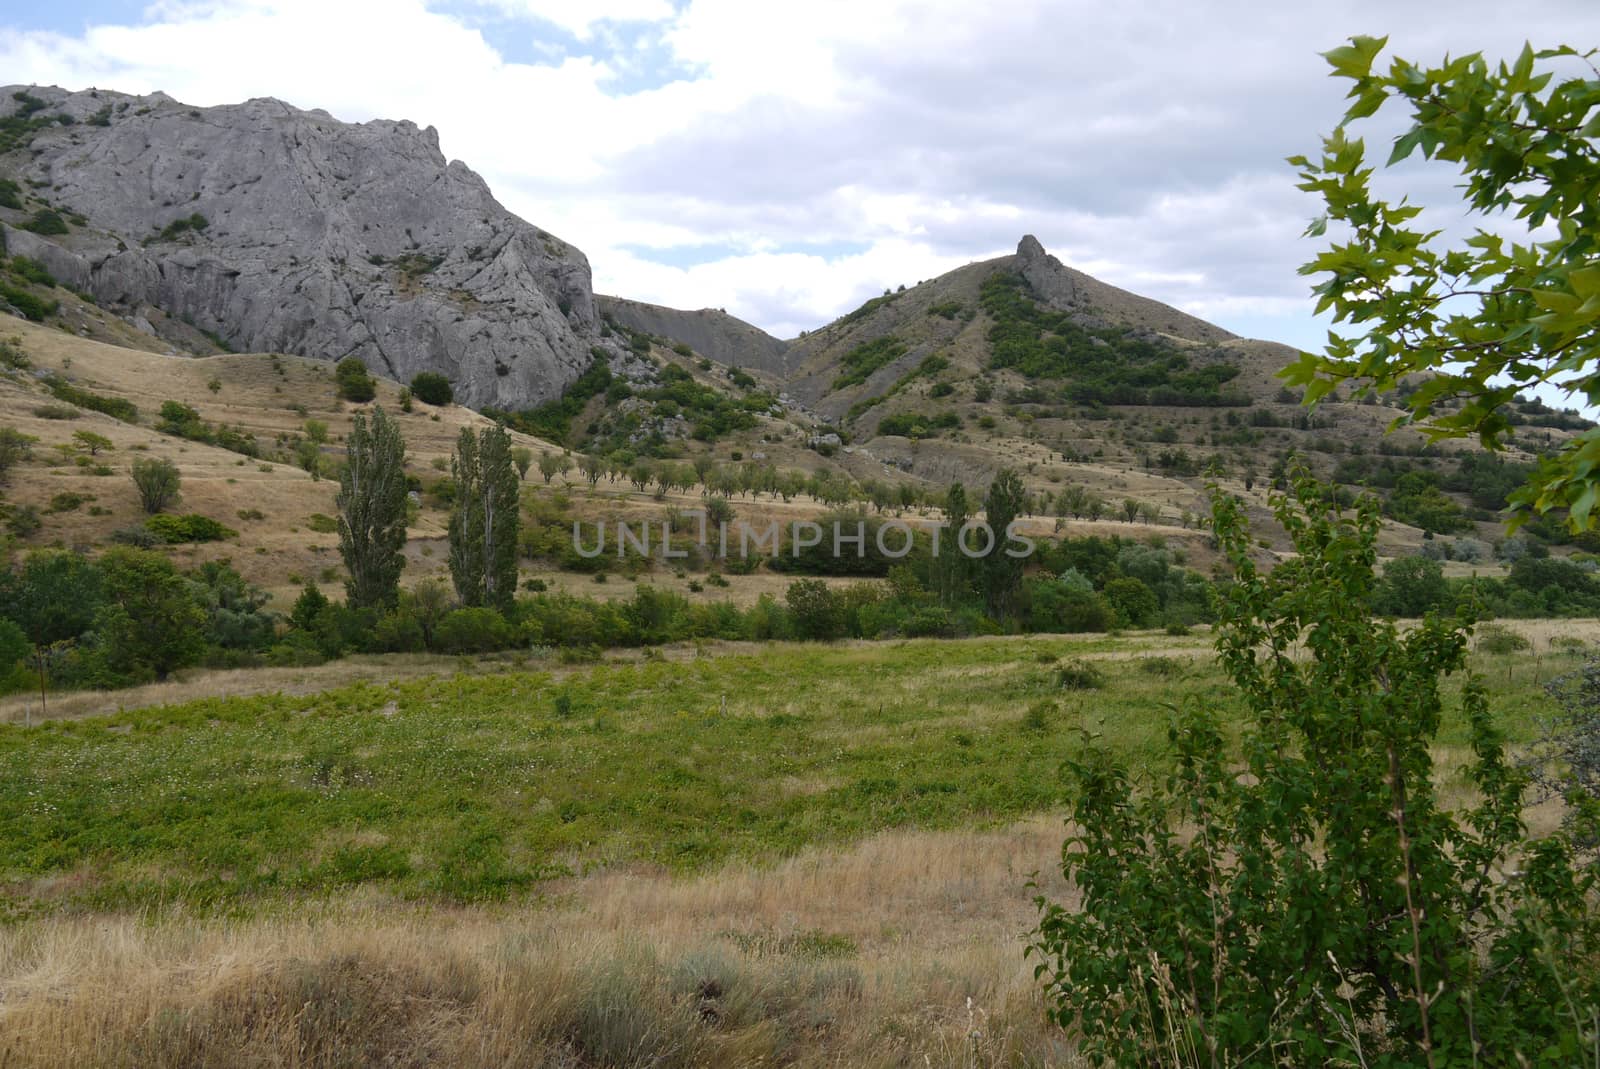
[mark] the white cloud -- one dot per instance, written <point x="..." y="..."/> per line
<point x="1140" y="142"/>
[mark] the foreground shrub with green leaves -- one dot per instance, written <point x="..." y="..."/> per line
<point x="1307" y="899"/>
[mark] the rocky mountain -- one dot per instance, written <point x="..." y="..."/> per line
<point x="275" y="229"/>
<point x="710" y="332"/>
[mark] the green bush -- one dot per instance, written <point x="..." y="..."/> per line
<point x="431" y="388"/>
<point x="1079" y="675"/>
<point x="23" y="521"/>
<point x="1302" y="896"/>
<point x="47" y="222"/>
<point x="185" y="225"/>
<point x="815" y="610"/>
<point x="354" y="383"/>
<point x="860" y="362"/>
<point x="1411" y="586"/>
<point x="37" y="309"/>
<point x="157" y="482"/>
<point x="15" y="447"/>
<point x="190" y="527"/>
<point x="32" y="270"/>
<point x="918" y="424"/>
<point x="115" y="407"/>
<point x="1136" y="605"/>
<point x="473" y="630"/>
<point x="1496" y="639"/>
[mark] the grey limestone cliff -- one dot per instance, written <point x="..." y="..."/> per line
<point x="284" y="230"/>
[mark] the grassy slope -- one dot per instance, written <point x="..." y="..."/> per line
<point x="278" y="550"/>
<point x="257" y="395"/>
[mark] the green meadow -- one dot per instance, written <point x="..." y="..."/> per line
<point x="464" y="789"/>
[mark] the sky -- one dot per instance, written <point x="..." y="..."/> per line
<point x="785" y="161"/>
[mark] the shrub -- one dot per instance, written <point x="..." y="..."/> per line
<point x="473" y="630"/>
<point x="139" y="537"/>
<point x="191" y="527"/>
<point x="354" y="383"/>
<point x="322" y="524"/>
<point x="1162" y="667"/>
<point x="1497" y="639"/>
<point x="1079" y="675"/>
<point x="398" y="631"/>
<point x="151" y="622"/>
<point x="1135" y="603"/>
<point x="46" y="221"/>
<point x="58" y="412"/>
<point x="12" y="356"/>
<point x="115" y="407"/>
<point x="157" y="482"/>
<point x="24" y="521"/>
<point x="431" y="388"/>
<point x="1411" y="586"/>
<point x="15" y="447"/>
<point x="38" y="309"/>
<point x="815" y="610"/>
<point x="32" y="270"/>
<point x="1306" y="893"/>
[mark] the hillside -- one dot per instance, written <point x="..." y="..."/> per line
<point x="269" y="403"/>
<point x="1024" y="362"/>
<point x="666" y="406"/>
<point x="710" y="332"/>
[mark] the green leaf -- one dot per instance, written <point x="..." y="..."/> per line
<point x="1354" y="60"/>
<point x="1405" y="145"/>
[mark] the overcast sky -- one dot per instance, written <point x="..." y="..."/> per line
<point x="785" y="161"/>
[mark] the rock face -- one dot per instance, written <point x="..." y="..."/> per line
<point x="283" y="230"/>
<point x="1097" y="303"/>
<point x="711" y="333"/>
<point x="1046" y="275"/>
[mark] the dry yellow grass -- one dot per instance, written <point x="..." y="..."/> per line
<point x="258" y="394"/>
<point x="906" y="949"/>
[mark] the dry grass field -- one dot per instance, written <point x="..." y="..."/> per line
<point x="837" y="905"/>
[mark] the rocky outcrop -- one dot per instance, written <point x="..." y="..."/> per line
<point x="1097" y="303"/>
<point x="710" y="332"/>
<point x="284" y="230"/>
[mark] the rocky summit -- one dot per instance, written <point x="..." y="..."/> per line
<point x="274" y="229"/>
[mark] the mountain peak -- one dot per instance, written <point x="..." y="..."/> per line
<point x="1029" y="248"/>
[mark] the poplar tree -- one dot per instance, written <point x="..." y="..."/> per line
<point x="372" y="511"/>
<point x="1002" y="573"/>
<point x="952" y="567"/>
<point x="483" y="524"/>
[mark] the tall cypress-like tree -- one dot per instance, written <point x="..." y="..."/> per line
<point x="483" y="525"/>
<point x="1002" y="573"/>
<point x="466" y="521"/>
<point x="372" y="511"/>
<point x="952" y="567"/>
